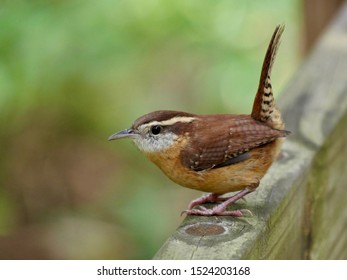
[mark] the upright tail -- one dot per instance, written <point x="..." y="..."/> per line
<point x="264" y="107"/>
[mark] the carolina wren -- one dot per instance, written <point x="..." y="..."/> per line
<point x="218" y="153"/>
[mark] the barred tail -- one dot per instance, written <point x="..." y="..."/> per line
<point x="264" y="107"/>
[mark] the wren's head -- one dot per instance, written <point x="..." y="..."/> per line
<point x="156" y="131"/>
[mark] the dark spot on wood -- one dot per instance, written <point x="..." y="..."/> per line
<point x="205" y="229"/>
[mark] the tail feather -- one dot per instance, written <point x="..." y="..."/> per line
<point x="264" y="107"/>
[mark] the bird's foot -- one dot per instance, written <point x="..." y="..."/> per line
<point x="218" y="211"/>
<point x="210" y="197"/>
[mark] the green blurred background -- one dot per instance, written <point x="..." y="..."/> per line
<point x="74" y="72"/>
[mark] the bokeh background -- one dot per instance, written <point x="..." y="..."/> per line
<point x="74" y="72"/>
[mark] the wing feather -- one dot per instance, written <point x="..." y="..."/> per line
<point x="222" y="143"/>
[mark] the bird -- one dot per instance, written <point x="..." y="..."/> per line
<point x="215" y="153"/>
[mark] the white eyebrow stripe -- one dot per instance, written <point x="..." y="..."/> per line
<point x="170" y="121"/>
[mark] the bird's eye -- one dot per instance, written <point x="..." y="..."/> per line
<point x="155" y="129"/>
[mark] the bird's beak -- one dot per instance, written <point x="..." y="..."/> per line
<point x="126" y="133"/>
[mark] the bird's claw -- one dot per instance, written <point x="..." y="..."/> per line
<point x="203" y="211"/>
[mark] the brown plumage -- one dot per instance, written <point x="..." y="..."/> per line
<point x="224" y="153"/>
<point x="215" y="153"/>
<point x="233" y="137"/>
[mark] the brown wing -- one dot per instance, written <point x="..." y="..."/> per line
<point x="227" y="142"/>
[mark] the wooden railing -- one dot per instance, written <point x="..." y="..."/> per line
<point x="300" y="208"/>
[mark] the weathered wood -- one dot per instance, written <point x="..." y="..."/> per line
<point x="300" y="208"/>
<point x="317" y="14"/>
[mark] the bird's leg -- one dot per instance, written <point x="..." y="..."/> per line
<point x="219" y="210"/>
